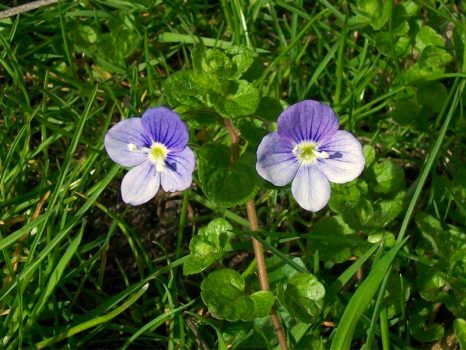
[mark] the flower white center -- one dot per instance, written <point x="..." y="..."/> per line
<point x="132" y="147"/>
<point x="308" y="151"/>
<point x="157" y="155"/>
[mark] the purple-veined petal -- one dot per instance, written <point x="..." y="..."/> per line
<point x="346" y="159"/>
<point x="119" y="139"/>
<point x="165" y="126"/>
<point x="275" y="160"/>
<point x="307" y="121"/>
<point x="140" y="184"/>
<point x="178" y="172"/>
<point x="310" y="188"/>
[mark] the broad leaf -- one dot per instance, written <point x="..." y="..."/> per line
<point x="208" y="246"/>
<point x="226" y="184"/>
<point x="303" y="297"/>
<point x="223" y="291"/>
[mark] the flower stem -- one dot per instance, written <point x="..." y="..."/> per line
<point x="258" y="250"/>
<point x="234" y="136"/>
<point x="262" y="271"/>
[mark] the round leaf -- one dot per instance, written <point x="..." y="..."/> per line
<point x="303" y="297"/>
<point x="223" y="291"/>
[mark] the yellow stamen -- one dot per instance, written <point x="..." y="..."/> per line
<point x="157" y="154"/>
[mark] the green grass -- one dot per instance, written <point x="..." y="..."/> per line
<point x="83" y="270"/>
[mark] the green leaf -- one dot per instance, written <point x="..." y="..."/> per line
<point x="199" y="118"/>
<point x="385" y="211"/>
<point x="434" y="57"/>
<point x="223" y="291"/>
<point x="420" y="325"/>
<point x="416" y="74"/>
<point x="430" y="283"/>
<point x="350" y="201"/>
<point x="426" y="333"/>
<point x="211" y="61"/>
<point x="335" y="240"/>
<point x="226" y="184"/>
<point x="251" y="131"/>
<point x="376" y="11"/>
<point x="378" y="236"/>
<point x="243" y="59"/>
<point x="240" y="102"/>
<point x="369" y="7"/>
<point x="269" y="108"/>
<point x="184" y="89"/>
<point x="230" y="64"/>
<point x="396" y="295"/>
<point x="403" y="46"/>
<point x="384" y="42"/>
<point x="436" y="240"/>
<point x="214" y="82"/>
<point x="369" y="155"/>
<point x="427" y="36"/>
<point x="387" y="177"/>
<point x="400" y="25"/>
<point x="211" y="243"/>
<point x="347" y="196"/>
<point x="228" y="98"/>
<point x="279" y="271"/>
<point x="432" y="95"/>
<point x="460" y="332"/>
<point x="406" y="111"/>
<point x="411" y="8"/>
<point x="303" y="297"/>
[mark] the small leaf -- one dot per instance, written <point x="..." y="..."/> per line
<point x="427" y="36"/>
<point x="460" y="332"/>
<point x="400" y="25"/>
<point x="349" y="200"/>
<point x="369" y="154"/>
<point x="406" y="111"/>
<point x="243" y="59"/>
<point x="226" y="184"/>
<point x="223" y="291"/>
<point x="420" y="326"/>
<point x="385" y="211"/>
<point x="432" y="95"/>
<point x="251" y="131"/>
<point x="335" y="240"/>
<point x="230" y="64"/>
<point x="240" y="102"/>
<point x="269" y="108"/>
<point x="279" y="271"/>
<point x="386" y="237"/>
<point x="430" y="284"/>
<point x="303" y="297"/>
<point x="184" y="89"/>
<point x="387" y="177"/>
<point x="434" y="57"/>
<point x="208" y="246"/>
<point x="411" y="8"/>
<point x="384" y="42"/>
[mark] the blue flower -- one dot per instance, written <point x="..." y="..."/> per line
<point x="155" y="146"/>
<point x="309" y="151"/>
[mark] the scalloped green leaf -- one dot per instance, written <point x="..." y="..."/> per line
<point x="427" y="36"/>
<point x="223" y="291"/>
<point x="226" y="184"/>
<point x="210" y="245"/>
<point x="303" y="297"/>
<point x="335" y="240"/>
<point x="387" y="177"/>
